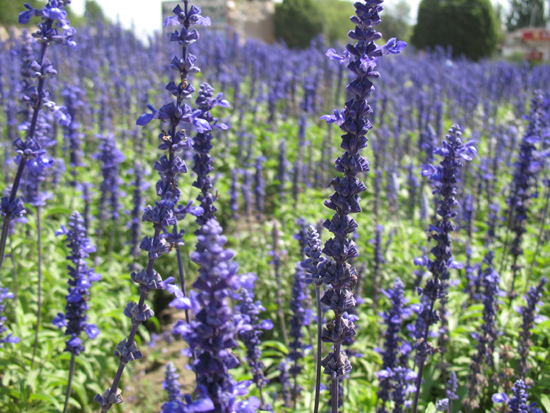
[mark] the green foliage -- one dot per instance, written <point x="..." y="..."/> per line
<point x="336" y="14"/>
<point x="10" y="10"/>
<point x="297" y="22"/>
<point x="395" y="21"/>
<point x="526" y="13"/>
<point x="469" y="27"/>
<point x="94" y="11"/>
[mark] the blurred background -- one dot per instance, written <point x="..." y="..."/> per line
<point x="515" y="30"/>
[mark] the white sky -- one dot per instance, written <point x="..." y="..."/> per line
<point x="146" y="14"/>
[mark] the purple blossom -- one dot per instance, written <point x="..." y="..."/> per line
<point x="213" y="331"/>
<point x="250" y="311"/>
<point x="529" y="318"/>
<point x="337" y="273"/>
<point x="444" y="178"/>
<point x="74" y="320"/>
<point x="5" y="294"/>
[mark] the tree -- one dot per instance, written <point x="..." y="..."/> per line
<point x="9" y="12"/>
<point x="297" y="22"/>
<point x="526" y="13"/>
<point x="94" y="11"/>
<point x="9" y="15"/>
<point x="469" y="27"/>
<point x="395" y="21"/>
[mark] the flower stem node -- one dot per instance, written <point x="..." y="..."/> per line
<point x="107" y="399"/>
<point x="127" y="353"/>
<point x="135" y="313"/>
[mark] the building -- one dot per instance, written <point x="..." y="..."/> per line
<point x="249" y="19"/>
<point x="530" y="43"/>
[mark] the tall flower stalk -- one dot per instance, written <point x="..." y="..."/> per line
<point x="337" y="274"/>
<point x="444" y="178"/>
<point x="529" y="318"/>
<point x="162" y="215"/>
<point x="177" y="113"/>
<point x="525" y="174"/>
<point x="211" y="335"/>
<point x="250" y="310"/>
<point x="312" y="264"/>
<point x="74" y="320"/>
<point x="54" y="19"/>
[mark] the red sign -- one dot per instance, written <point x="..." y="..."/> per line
<point x="535" y="35"/>
<point x="536" y="56"/>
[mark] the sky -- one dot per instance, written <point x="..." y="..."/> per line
<point x="145" y="15"/>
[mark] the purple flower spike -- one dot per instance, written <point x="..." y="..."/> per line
<point x="337" y="274"/>
<point x="75" y="319"/>
<point x="217" y="276"/>
<point x="5" y="294"/>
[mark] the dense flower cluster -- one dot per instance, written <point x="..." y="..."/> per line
<point x="110" y="157"/>
<point x="171" y="384"/>
<point x="250" y="311"/>
<point x="165" y="214"/>
<point x="395" y="349"/>
<point x="53" y="19"/>
<point x="487" y="337"/>
<point x="444" y="179"/>
<point x="525" y="173"/>
<point x="518" y="402"/>
<point x="72" y="132"/>
<point x="338" y="275"/>
<point x="529" y="318"/>
<point x="212" y="334"/>
<point x="202" y="144"/>
<point x="74" y="319"/>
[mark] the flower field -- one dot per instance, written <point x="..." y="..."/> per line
<point x="203" y="223"/>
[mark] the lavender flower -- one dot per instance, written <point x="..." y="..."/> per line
<point x="518" y="402"/>
<point x="393" y="344"/>
<point x="451" y="388"/>
<point x="404" y="379"/>
<point x="171" y="384"/>
<point x="282" y="174"/>
<point x="314" y="258"/>
<point x="250" y="311"/>
<point x="247" y="193"/>
<point x="54" y="17"/>
<point x="110" y="157"/>
<point x="529" y="318"/>
<point x="4" y="293"/>
<point x="259" y="188"/>
<point x="339" y="276"/>
<point x="297" y="322"/>
<point x="444" y="178"/>
<point x="217" y="276"/>
<point x="82" y="277"/>
<point x="486" y="339"/>
<point x="284" y="378"/>
<point x="234" y="194"/>
<point x="164" y="215"/>
<point x="525" y="173"/>
<point x="313" y="264"/>
<point x="37" y="171"/>
<point x="72" y="133"/>
<point x="202" y="144"/>
<point x="135" y="221"/>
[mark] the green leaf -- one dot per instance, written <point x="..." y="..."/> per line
<point x="47" y="398"/>
<point x="545" y="401"/>
<point x="430" y="408"/>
